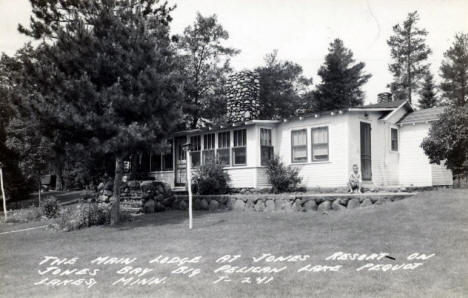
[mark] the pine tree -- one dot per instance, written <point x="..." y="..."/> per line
<point x="454" y="72"/>
<point x="106" y="76"/>
<point x="427" y="95"/>
<point x="282" y="86"/>
<point x="342" y="80"/>
<point x="205" y="66"/>
<point x="409" y="52"/>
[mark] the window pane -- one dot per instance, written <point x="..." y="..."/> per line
<point x="320" y="152"/>
<point x="239" y="156"/>
<point x="320" y="143"/>
<point x="155" y="162"/>
<point x="167" y="161"/>
<point x="320" y="135"/>
<point x="224" y="139"/>
<point x="208" y="141"/>
<point x="195" y="143"/>
<point x="394" y="139"/>
<point x="299" y="154"/>
<point x="208" y="157"/>
<point x="265" y="137"/>
<point x="195" y="159"/>
<point x="266" y="154"/>
<point x="240" y="138"/>
<point x="299" y="137"/>
<point x="224" y="156"/>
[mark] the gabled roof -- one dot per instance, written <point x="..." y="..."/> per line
<point x="425" y="115"/>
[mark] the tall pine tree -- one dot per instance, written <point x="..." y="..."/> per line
<point x="427" y="94"/>
<point x="105" y="76"/>
<point x="409" y="52"/>
<point x="342" y="80"/>
<point x="454" y="72"/>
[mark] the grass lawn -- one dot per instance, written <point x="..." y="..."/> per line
<point x="430" y="223"/>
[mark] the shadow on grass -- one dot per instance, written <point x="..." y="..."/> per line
<point x="171" y="217"/>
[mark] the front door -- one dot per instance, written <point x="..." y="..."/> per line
<point x="366" y="159"/>
<point x="180" y="171"/>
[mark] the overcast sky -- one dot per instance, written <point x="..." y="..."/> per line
<point x="300" y="29"/>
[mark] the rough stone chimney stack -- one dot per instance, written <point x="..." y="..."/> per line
<point x="243" y="94"/>
<point x="384" y="97"/>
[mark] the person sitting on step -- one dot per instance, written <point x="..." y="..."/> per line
<point x="354" y="183"/>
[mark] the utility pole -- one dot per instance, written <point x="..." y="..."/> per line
<point x="3" y="192"/>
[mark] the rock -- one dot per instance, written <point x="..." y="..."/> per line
<point x="353" y="203"/>
<point x="238" y="205"/>
<point x="167" y="202"/>
<point x="324" y="206"/>
<point x="196" y="204"/>
<point x="183" y="205"/>
<point x="175" y="204"/>
<point x="149" y="206"/>
<point x="366" y="203"/>
<point x="203" y="204"/>
<point x="107" y="193"/>
<point x="259" y="206"/>
<point x="214" y="205"/>
<point x="336" y="205"/>
<point x="380" y="201"/>
<point x="269" y="206"/>
<point x="310" y="205"/>
<point x="159" y="207"/>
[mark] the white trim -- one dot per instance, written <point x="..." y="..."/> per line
<point x="370" y="109"/>
<point x="394" y="111"/>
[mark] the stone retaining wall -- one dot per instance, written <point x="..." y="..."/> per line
<point x="268" y="203"/>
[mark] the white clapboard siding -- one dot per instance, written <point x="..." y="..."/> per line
<point x="415" y="169"/>
<point x="441" y="175"/>
<point x="242" y="177"/>
<point x="331" y="173"/>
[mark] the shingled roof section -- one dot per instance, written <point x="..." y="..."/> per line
<point x="384" y="105"/>
<point x="422" y="115"/>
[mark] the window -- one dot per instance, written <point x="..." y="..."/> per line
<point x="195" y="148"/>
<point x="155" y="162"/>
<point x="394" y="139"/>
<point x="167" y="158"/>
<point x="208" y="148"/>
<point x="266" y="147"/>
<point x="223" y="152"/>
<point x="299" y="145"/>
<point x="320" y="143"/>
<point x="239" y="150"/>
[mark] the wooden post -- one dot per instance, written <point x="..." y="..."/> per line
<point x="189" y="185"/>
<point x="3" y="192"/>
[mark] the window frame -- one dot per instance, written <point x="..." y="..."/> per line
<point x="292" y="146"/>
<point x="211" y="149"/>
<point x="263" y="162"/>
<point x="392" y="129"/>
<point x="198" y="151"/>
<point x="224" y="147"/>
<point x="237" y="146"/>
<point x="312" y="143"/>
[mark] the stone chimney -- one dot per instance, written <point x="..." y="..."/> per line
<point x="243" y="94"/>
<point x="384" y="97"/>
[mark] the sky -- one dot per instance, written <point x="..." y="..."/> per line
<point x="300" y="30"/>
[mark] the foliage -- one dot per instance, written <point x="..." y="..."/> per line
<point x="409" y="52"/>
<point x="281" y="178"/>
<point x="205" y="63"/>
<point x="454" y="71"/>
<point x="25" y="215"/>
<point x="83" y="215"/>
<point x="50" y="207"/>
<point x="341" y="80"/>
<point x="448" y="139"/>
<point x="282" y="86"/>
<point x="211" y="179"/>
<point x="105" y="76"/>
<point x="428" y="98"/>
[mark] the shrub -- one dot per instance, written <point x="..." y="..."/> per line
<point x="24" y="215"/>
<point x="50" y="207"/>
<point x="281" y="178"/>
<point x="83" y="215"/>
<point x="210" y="180"/>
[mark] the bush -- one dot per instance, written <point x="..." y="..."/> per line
<point x="83" y="215"/>
<point x="210" y="180"/>
<point x="50" y="207"/>
<point x="24" y="215"/>
<point x="281" y="178"/>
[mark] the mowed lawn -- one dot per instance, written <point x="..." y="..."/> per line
<point x="433" y="222"/>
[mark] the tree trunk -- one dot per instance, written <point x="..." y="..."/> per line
<point x="115" y="207"/>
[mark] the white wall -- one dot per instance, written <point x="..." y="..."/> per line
<point x="164" y="176"/>
<point x="415" y="169"/>
<point x="331" y="173"/>
<point x="441" y="175"/>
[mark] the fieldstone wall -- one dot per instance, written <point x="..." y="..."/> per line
<point x="243" y="93"/>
